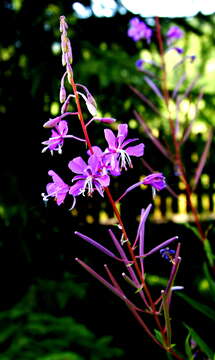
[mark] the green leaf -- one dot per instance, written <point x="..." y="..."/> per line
<point x="209" y="253"/>
<point x="158" y="336"/>
<point x="210" y="280"/>
<point x="188" y="349"/>
<point x="193" y="229"/>
<point x="6" y="333"/>
<point x="204" y="309"/>
<point x="200" y="342"/>
<point x="62" y="356"/>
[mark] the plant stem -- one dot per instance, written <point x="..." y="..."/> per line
<point x="176" y="143"/>
<point x="80" y="115"/>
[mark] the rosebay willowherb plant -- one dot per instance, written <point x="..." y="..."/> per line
<point x="158" y="78"/>
<point x="93" y="172"/>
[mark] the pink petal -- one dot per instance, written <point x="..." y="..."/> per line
<point x="77" y="165"/>
<point x="137" y="150"/>
<point x="94" y="163"/>
<point x="122" y="133"/>
<point x="63" y="127"/>
<point x="76" y="188"/>
<point x="104" y="180"/>
<point x="110" y="138"/>
<point x="56" y="179"/>
<point x="60" y="196"/>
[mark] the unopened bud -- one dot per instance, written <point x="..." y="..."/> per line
<point x="63" y="24"/>
<point x="52" y="122"/>
<point x="91" y="107"/>
<point x="62" y="94"/>
<point x="69" y="52"/>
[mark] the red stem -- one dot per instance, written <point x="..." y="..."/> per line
<point x="80" y="115"/>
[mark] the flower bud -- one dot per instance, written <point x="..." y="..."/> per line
<point x="69" y="52"/>
<point x="52" y="122"/>
<point x="62" y="94"/>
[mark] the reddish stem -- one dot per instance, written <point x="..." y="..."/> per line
<point x="80" y="115"/>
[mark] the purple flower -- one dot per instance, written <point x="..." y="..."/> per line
<point x="139" y="30"/>
<point x="90" y="176"/>
<point x="56" y="141"/>
<point x="174" y="33"/>
<point x="139" y="64"/>
<point x="105" y="162"/>
<point x="156" y="180"/>
<point x="118" y="154"/>
<point x="57" y="189"/>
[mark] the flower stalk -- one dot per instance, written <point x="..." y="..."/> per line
<point x="94" y="175"/>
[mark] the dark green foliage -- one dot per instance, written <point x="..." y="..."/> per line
<point x="28" y="332"/>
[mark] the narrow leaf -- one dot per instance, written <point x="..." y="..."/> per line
<point x="210" y="280"/>
<point x="208" y="251"/>
<point x="193" y="229"/>
<point x="204" y="309"/>
<point x="188" y="349"/>
<point x="201" y="343"/>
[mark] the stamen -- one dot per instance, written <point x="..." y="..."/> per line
<point x="124" y="158"/>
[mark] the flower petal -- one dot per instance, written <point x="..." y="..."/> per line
<point x="156" y="180"/>
<point x="94" y="163"/>
<point x="77" y="165"/>
<point x="56" y="179"/>
<point x="137" y="150"/>
<point x="96" y="150"/>
<point x="104" y="180"/>
<point x="99" y="188"/>
<point x="122" y="133"/>
<point x="63" y="127"/>
<point x="110" y="138"/>
<point x="75" y="189"/>
<point x="60" y="196"/>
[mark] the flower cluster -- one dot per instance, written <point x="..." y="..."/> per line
<point x="95" y="174"/>
<point x="139" y="30"/>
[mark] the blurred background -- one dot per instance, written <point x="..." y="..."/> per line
<point x="50" y="309"/>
